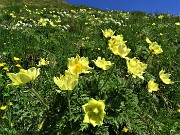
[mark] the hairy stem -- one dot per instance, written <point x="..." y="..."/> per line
<point x="40" y="98"/>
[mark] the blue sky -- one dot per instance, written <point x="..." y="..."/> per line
<point x="149" y="6"/>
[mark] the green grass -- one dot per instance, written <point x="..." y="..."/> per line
<point x="79" y="31"/>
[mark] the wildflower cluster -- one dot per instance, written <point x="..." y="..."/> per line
<point x="120" y="95"/>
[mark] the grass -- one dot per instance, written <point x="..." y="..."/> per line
<point x="78" y="30"/>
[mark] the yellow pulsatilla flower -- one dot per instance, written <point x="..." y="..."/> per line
<point x="24" y="76"/>
<point x="148" y="40"/>
<point x="108" y="33"/>
<point x="41" y="124"/>
<point x="125" y="129"/>
<point x="10" y="103"/>
<point x="94" y="112"/>
<point x="118" y="46"/>
<point x="6" y="68"/>
<point x="155" y="48"/>
<point x="165" y="77"/>
<point x="160" y="16"/>
<point x="78" y="65"/>
<point x="18" y="65"/>
<point x="12" y="15"/>
<point x="16" y="58"/>
<point x="42" y="22"/>
<point x="177" y="23"/>
<point x="43" y="62"/>
<point x="116" y="41"/>
<point x="152" y="86"/>
<point x="52" y="24"/>
<point x="3" y="107"/>
<point x="135" y="67"/>
<point x="102" y="63"/>
<point x="178" y="110"/>
<point x="123" y="51"/>
<point x="67" y="81"/>
<point x="2" y="64"/>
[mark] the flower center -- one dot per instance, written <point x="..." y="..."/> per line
<point x="78" y="67"/>
<point x="96" y="111"/>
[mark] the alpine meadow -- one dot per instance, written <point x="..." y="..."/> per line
<point x="76" y="70"/>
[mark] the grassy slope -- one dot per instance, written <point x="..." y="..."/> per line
<point x="60" y="43"/>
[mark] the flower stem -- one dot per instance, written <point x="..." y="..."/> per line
<point x="40" y="98"/>
<point x="107" y="77"/>
<point x="148" y="58"/>
<point x="69" y="106"/>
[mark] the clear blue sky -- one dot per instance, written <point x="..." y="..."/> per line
<point x="149" y="6"/>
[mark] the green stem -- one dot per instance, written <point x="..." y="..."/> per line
<point x="107" y="77"/>
<point x="40" y="98"/>
<point x="69" y="106"/>
<point x="148" y="58"/>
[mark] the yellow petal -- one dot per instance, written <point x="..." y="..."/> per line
<point x="3" y="107"/>
<point x="16" y="58"/>
<point x="14" y="78"/>
<point x="148" y="40"/>
<point x="25" y="78"/>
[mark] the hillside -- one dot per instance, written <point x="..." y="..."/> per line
<point x="42" y="39"/>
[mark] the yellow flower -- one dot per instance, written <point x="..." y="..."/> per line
<point x="24" y="76"/>
<point x="42" y="22"/>
<point x="178" y="110"/>
<point x="42" y="62"/>
<point x="41" y="124"/>
<point x="135" y="67"/>
<point x="78" y="65"/>
<point x="116" y="41"/>
<point x="52" y="24"/>
<point x="3" y="107"/>
<point x="108" y="33"/>
<point x="2" y="64"/>
<point x="102" y="63"/>
<point x="155" y="48"/>
<point x="6" y="68"/>
<point x="178" y="23"/>
<point x="10" y="103"/>
<point x="148" y="40"/>
<point x="125" y="129"/>
<point x="152" y="86"/>
<point x="67" y="81"/>
<point x="118" y="46"/>
<point x="16" y="58"/>
<point x="165" y="77"/>
<point x="18" y="65"/>
<point x="123" y="51"/>
<point x="94" y="112"/>
<point x="160" y="16"/>
<point x="12" y="15"/>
